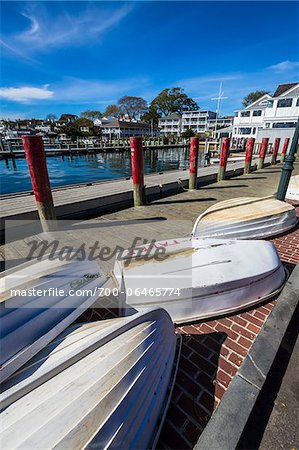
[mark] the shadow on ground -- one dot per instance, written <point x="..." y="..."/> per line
<point x="229" y="186"/>
<point x="196" y="200"/>
<point x="192" y="402"/>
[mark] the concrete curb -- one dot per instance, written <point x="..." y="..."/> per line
<point x="224" y="430"/>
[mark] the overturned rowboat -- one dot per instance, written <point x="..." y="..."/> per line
<point x="245" y="218"/>
<point x="103" y="384"/>
<point x="38" y="300"/>
<point x="293" y="189"/>
<point x="196" y="278"/>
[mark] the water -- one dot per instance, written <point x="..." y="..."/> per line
<point x="64" y="170"/>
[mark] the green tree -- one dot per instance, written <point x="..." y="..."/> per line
<point x="173" y="100"/>
<point x="74" y="130"/>
<point x="151" y="116"/>
<point x="91" y="115"/>
<point x="188" y="133"/>
<point x="111" y="110"/>
<point x="252" y="97"/>
<point x="133" y="106"/>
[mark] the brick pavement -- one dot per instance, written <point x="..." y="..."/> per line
<point x="212" y="352"/>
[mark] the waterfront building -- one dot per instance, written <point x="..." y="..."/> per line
<point x="269" y="116"/>
<point x="170" y="125"/>
<point x="119" y="129"/>
<point x="200" y="121"/>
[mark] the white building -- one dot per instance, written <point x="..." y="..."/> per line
<point x="118" y="129"/>
<point x="270" y="116"/>
<point x="170" y="125"/>
<point x="200" y="121"/>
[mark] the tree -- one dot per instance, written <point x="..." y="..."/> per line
<point x="151" y="116"/>
<point x="74" y="129"/>
<point x="188" y="133"/>
<point x="111" y="110"/>
<point x="133" y="106"/>
<point x="51" y="117"/>
<point x="91" y="115"/>
<point x="252" y="97"/>
<point x="173" y="100"/>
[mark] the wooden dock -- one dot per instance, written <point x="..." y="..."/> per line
<point x="88" y="199"/>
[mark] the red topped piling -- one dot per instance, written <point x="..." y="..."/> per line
<point x="194" y="146"/>
<point x="248" y="155"/>
<point x="275" y="151"/>
<point x="284" y="149"/>
<point x="263" y="151"/>
<point x="137" y="170"/>
<point x="223" y="158"/>
<point x="36" y="159"/>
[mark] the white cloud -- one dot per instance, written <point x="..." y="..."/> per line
<point x="285" y="66"/>
<point x="26" y="94"/>
<point x="46" y="31"/>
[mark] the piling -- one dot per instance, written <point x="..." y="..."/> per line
<point x="275" y="151"/>
<point x="284" y="150"/>
<point x="194" y="146"/>
<point x="223" y="158"/>
<point x="36" y="159"/>
<point x="137" y="170"/>
<point x="262" y="154"/>
<point x="248" y="155"/>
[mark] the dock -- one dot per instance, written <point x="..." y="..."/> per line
<point x="86" y="199"/>
<point x="213" y="350"/>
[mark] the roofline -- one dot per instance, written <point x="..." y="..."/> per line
<point x="286" y="92"/>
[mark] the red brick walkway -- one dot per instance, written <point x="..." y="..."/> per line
<point x="212" y="352"/>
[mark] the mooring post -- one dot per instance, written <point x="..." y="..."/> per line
<point x="223" y="158"/>
<point x="194" y="146"/>
<point x="284" y="149"/>
<point x="262" y="154"/>
<point x="248" y="155"/>
<point x="275" y="151"/>
<point x="137" y="170"/>
<point x="36" y="159"/>
<point x="288" y="166"/>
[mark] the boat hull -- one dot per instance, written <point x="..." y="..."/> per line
<point x="245" y="218"/>
<point x="102" y="384"/>
<point x="38" y="301"/>
<point x="293" y="189"/>
<point x="207" y="277"/>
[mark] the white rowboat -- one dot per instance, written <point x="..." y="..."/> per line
<point x="199" y="278"/>
<point x="38" y="300"/>
<point x="103" y="384"/>
<point x="245" y="218"/>
<point x="293" y="189"/>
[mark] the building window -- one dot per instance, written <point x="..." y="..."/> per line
<point x="284" y="103"/>
<point x="297" y="102"/>
<point x="270" y="104"/>
<point x="245" y="130"/>
<point x="257" y="112"/>
<point x="254" y="131"/>
<point x="284" y="125"/>
<point x="245" y="113"/>
<point x="267" y="125"/>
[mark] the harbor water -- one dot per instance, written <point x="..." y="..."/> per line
<point x="65" y="170"/>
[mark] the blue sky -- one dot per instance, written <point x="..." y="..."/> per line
<point x="66" y="57"/>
